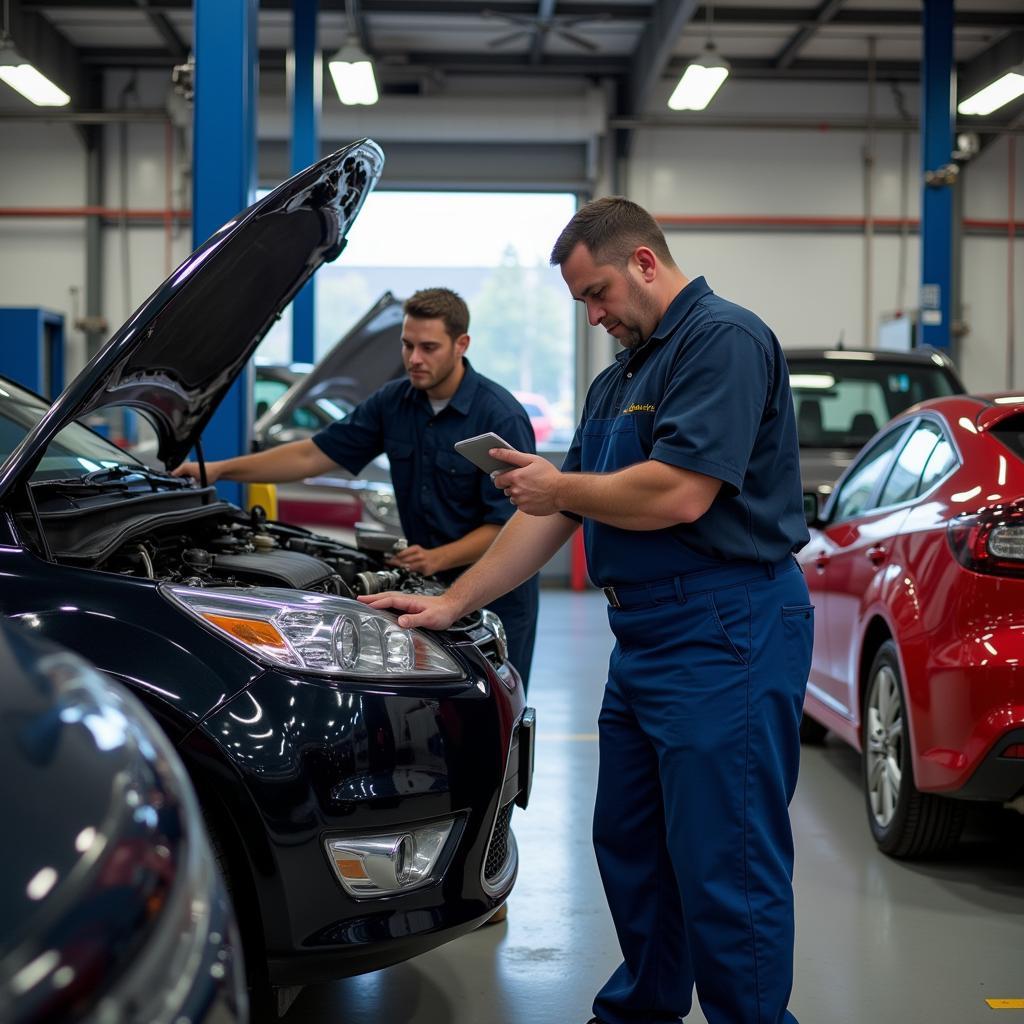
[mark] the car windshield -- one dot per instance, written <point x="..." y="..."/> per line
<point x="266" y="392"/>
<point x="75" y="451"/>
<point x="842" y="403"/>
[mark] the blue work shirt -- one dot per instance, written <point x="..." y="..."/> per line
<point x="708" y="392"/>
<point x="441" y="495"/>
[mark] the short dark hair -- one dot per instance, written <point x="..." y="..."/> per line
<point x="439" y="304"/>
<point x="612" y="228"/>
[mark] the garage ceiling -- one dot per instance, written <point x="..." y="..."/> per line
<point x="763" y="39"/>
<point x="420" y="47"/>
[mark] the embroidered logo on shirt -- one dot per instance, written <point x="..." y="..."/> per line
<point x="646" y="407"/>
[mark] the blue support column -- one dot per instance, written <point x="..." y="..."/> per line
<point x="938" y="112"/>
<point x="226" y="54"/>
<point x="305" y="84"/>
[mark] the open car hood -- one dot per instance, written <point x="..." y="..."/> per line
<point x="181" y="351"/>
<point x="366" y="357"/>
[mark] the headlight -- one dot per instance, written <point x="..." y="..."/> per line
<point x="497" y="628"/>
<point x="317" y="633"/>
<point x="379" y="503"/>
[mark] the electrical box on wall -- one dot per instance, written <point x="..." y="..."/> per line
<point x="897" y="333"/>
<point x="32" y="348"/>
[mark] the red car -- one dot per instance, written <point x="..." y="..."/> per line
<point x="916" y="570"/>
<point x="539" y="411"/>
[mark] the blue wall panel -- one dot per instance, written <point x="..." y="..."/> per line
<point x="33" y="348"/>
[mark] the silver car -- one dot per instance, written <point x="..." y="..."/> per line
<point x="368" y="356"/>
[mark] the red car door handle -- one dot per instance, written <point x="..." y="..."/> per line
<point x="876" y="555"/>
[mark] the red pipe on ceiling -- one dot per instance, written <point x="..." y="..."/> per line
<point x="111" y="213"/>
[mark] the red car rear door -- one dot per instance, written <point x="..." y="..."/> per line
<point x="843" y="561"/>
<point x="862" y="554"/>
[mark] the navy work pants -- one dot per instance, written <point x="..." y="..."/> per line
<point x="699" y="748"/>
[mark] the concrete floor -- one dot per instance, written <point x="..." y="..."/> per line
<point x="877" y="941"/>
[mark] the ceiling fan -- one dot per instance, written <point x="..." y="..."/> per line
<point x="540" y="25"/>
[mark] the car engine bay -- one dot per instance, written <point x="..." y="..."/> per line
<point x="160" y="528"/>
<point x="239" y="550"/>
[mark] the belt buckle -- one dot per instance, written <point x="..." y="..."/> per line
<point x="612" y="597"/>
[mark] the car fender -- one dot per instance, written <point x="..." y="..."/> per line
<point x="892" y="606"/>
<point x="188" y="672"/>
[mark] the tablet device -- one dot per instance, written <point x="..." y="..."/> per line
<point x="476" y="448"/>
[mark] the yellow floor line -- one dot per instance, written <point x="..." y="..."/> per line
<point x="1006" y="1004"/>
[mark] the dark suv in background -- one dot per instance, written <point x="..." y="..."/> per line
<point x="843" y="397"/>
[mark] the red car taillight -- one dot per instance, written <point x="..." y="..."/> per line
<point x="990" y="541"/>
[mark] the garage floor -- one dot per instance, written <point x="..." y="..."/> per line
<point x="877" y="941"/>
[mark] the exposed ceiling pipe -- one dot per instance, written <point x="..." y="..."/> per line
<point x="904" y="249"/>
<point x="1011" y="230"/>
<point x="824" y="124"/>
<point x="816" y="224"/>
<point x="108" y="213"/>
<point x="869" y="204"/>
<point x="84" y="116"/>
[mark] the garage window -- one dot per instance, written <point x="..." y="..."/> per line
<point x="490" y="247"/>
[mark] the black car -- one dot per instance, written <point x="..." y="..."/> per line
<point x="112" y="906"/>
<point x="357" y="778"/>
<point x="843" y="397"/>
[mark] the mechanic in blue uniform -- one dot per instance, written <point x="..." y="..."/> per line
<point x="685" y="473"/>
<point x="450" y="510"/>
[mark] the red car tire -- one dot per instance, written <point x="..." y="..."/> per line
<point x="905" y="822"/>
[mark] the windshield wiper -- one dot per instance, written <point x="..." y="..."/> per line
<point x="109" y="473"/>
<point x="119" y="477"/>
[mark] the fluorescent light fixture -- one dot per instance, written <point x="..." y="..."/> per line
<point x="700" y="81"/>
<point x="352" y="72"/>
<point x="994" y="96"/>
<point x="24" y="78"/>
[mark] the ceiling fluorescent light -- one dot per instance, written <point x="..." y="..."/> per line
<point x="994" y="96"/>
<point x="352" y="72"/>
<point x="24" y="78"/>
<point x="700" y="81"/>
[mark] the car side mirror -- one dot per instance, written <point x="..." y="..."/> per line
<point x="812" y="508"/>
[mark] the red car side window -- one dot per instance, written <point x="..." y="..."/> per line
<point x="859" y="487"/>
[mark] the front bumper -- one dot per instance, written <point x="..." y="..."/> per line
<point x="323" y="761"/>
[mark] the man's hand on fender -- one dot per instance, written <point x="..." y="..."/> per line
<point x="419" y="612"/>
<point x="530" y="483"/>
<point x="418" y="559"/>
